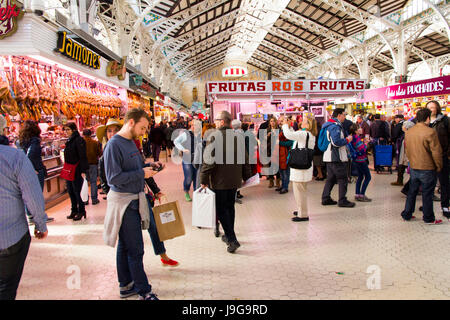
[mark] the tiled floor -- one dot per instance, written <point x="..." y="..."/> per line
<point x="325" y="258"/>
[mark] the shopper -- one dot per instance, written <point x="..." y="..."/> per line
<point x="225" y="178"/>
<point x="168" y="136"/>
<point x="19" y="188"/>
<point x="303" y="138"/>
<point x="318" y="158"/>
<point x="440" y="123"/>
<point x="403" y="159"/>
<point x="30" y="143"/>
<point x="284" y="146"/>
<point x="127" y="210"/>
<point x="397" y="137"/>
<point x="93" y="152"/>
<point x="3" y="138"/>
<point x="75" y="154"/>
<point x="273" y="132"/>
<point x="336" y="159"/>
<point x="112" y="127"/>
<point x="104" y="134"/>
<point x="425" y="158"/>
<point x="185" y="143"/>
<point x="363" y="125"/>
<point x="361" y="163"/>
<point x="379" y="133"/>
<point x="157" y="139"/>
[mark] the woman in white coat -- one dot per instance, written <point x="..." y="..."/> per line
<point x="300" y="178"/>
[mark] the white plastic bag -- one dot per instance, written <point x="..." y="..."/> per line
<point x="204" y="208"/>
<point x="84" y="191"/>
<point x="253" y="181"/>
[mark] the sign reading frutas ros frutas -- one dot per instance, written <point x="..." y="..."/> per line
<point x="232" y="72"/>
<point x="10" y="12"/>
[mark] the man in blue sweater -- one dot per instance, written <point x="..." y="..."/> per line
<point x="125" y="217"/>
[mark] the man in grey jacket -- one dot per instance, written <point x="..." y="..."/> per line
<point x="223" y="176"/>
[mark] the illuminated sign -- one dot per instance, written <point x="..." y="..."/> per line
<point x="232" y="72"/>
<point x="76" y="51"/>
<point x="285" y="86"/>
<point x="9" y="14"/>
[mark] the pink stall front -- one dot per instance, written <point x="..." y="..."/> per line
<point x="254" y="101"/>
<point x="405" y="98"/>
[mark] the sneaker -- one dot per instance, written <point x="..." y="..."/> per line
<point x="365" y="199"/>
<point x="434" y="222"/>
<point x="149" y="296"/>
<point x="128" y="290"/>
<point x="329" y="202"/>
<point x="232" y="246"/>
<point x="95" y="201"/>
<point x="188" y="198"/>
<point x="346" y="204"/>
<point x="298" y="219"/>
<point x="170" y="263"/>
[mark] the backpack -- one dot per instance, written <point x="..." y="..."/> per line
<point x="323" y="141"/>
<point x="353" y="153"/>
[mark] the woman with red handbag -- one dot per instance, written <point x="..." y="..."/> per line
<point x="74" y="171"/>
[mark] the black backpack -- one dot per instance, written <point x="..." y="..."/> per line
<point x="301" y="158"/>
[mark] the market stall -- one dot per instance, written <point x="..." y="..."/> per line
<point x="48" y="76"/>
<point x="406" y="97"/>
<point x="254" y="101"/>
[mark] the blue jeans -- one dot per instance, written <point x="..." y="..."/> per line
<point x="158" y="246"/>
<point x="285" y="174"/>
<point x="190" y="177"/>
<point x="92" y="178"/>
<point x="427" y="179"/>
<point x="130" y="251"/>
<point x="363" y="175"/>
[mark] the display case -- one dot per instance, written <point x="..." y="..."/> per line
<point x="55" y="190"/>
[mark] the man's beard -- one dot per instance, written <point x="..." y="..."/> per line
<point x="134" y="135"/>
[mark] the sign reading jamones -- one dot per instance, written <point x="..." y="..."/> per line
<point x="76" y="51"/>
<point x="285" y="86"/>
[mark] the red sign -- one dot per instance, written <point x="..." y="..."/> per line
<point x="430" y="87"/>
<point x="9" y="14"/>
<point x="285" y="86"/>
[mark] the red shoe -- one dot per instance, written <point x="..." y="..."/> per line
<point x="170" y="263"/>
<point x="435" y="222"/>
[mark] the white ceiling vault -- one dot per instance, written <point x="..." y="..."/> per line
<point x="177" y="40"/>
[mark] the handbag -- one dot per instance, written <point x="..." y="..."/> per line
<point x="68" y="171"/>
<point x="301" y="158"/>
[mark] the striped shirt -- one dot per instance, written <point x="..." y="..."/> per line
<point x="19" y="187"/>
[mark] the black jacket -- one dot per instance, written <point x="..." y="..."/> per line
<point x="397" y="132"/>
<point x="75" y="152"/>
<point x="379" y="129"/>
<point x="157" y="136"/>
<point x="32" y="149"/>
<point x="442" y="127"/>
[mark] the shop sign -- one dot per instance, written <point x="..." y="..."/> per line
<point x="286" y="86"/>
<point x="76" y="51"/>
<point x="233" y="72"/>
<point x="430" y="87"/>
<point x="9" y="14"/>
<point x="116" y="69"/>
<point x="136" y="80"/>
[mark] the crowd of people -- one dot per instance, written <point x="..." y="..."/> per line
<point x="118" y="161"/>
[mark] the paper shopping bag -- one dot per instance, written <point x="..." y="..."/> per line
<point x="204" y="208"/>
<point x="84" y="191"/>
<point x="253" y="181"/>
<point x="169" y="221"/>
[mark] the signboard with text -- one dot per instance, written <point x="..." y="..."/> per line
<point x="10" y="12"/>
<point x="430" y="87"/>
<point x="285" y="86"/>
